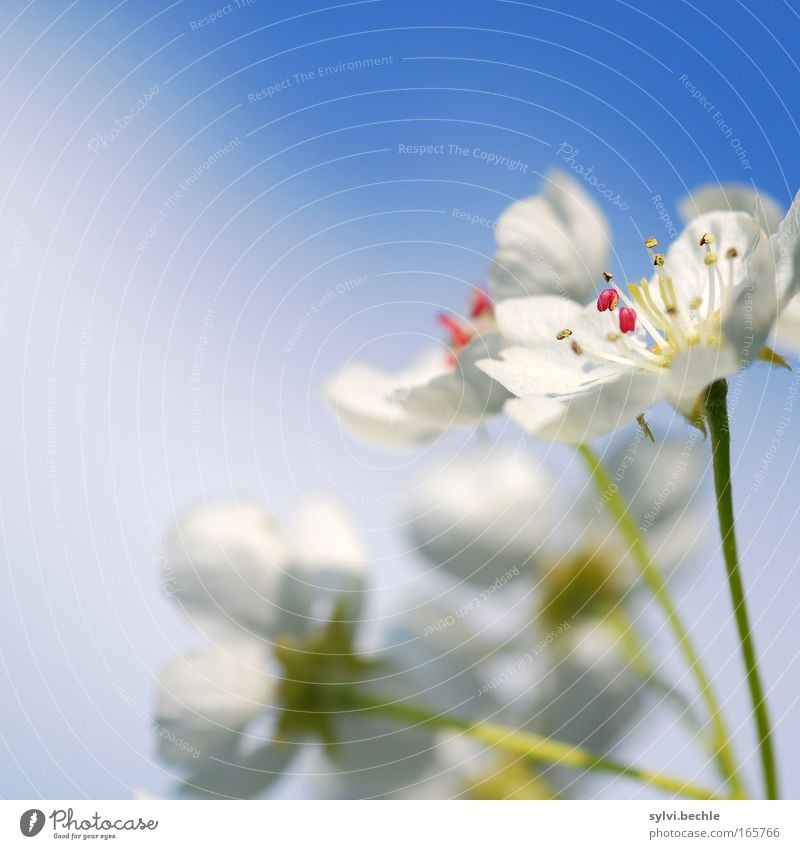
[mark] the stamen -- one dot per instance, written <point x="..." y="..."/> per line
<point x="459" y="336"/>
<point x="731" y="255"/>
<point x="642" y="356"/>
<point x="651" y="242"/>
<point x="710" y="258"/>
<point x="659" y="260"/>
<point x="481" y="304"/>
<point x="707" y="239"/>
<point x="640" y="295"/>
<point x="563" y="334"/>
<point x="627" y="320"/>
<point x="607" y="300"/>
<point x="576" y="347"/>
<point x="608" y="276"/>
<point x="652" y="324"/>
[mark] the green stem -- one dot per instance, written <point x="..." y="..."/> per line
<point x="655" y="582"/>
<point x="717" y="414"/>
<point x="529" y="745"/>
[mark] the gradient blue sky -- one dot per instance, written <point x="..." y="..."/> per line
<point x="143" y="373"/>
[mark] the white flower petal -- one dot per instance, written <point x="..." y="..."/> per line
<point x="328" y="570"/>
<point x="591" y="698"/>
<point x="560" y="368"/>
<point x="463" y="395"/>
<point x="535" y="320"/>
<point x="695" y="369"/>
<point x="483" y="515"/>
<point x="324" y="536"/>
<point x="549" y="370"/>
<point x="755" y="303"/>
<point x="241" y="775"/>
<point x="376" y="756"/>
<point x="590" y="414"/>
<point x="554" y="243"/>
<point x="225" y="564"/>
<point x="786" y="248"/>
<point x="732" y="197"/>
<point x="787" y="328"/>
<point x="207" y="698"/>
<point x="365" y="399"/>
<point x="685" y="256"/>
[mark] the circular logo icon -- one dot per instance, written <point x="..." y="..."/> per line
<point x="31" y="822"/>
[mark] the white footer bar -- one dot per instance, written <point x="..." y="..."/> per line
<point x="401" y="825"/>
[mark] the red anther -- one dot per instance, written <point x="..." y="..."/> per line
<point x="627" y="320"/>
<point x="480" y="304"/>
<point x="607" y="300"/>
<point x="459" y="337"/>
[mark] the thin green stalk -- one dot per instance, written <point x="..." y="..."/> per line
<point x="718" y="425"/>
<point x="657" y="585"/>
<point x="529" y="745"/>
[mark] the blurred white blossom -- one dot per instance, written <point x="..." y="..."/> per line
<point x="556" y="243"/>
<point x="283" y="609"/>
<point x="440" y="391"/>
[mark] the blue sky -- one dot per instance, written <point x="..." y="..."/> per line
<point x="177" y="194"/>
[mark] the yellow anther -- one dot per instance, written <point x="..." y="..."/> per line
<point x="651" y="242"/>
<point x="731" y="253"/>
<point x="707" y="239"/>
<point x="659" y="260"/>
<point x="710" y="258"/>
<point x="563" y="334"/>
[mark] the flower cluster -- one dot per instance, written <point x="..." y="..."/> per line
<point x="539" y="575"/>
